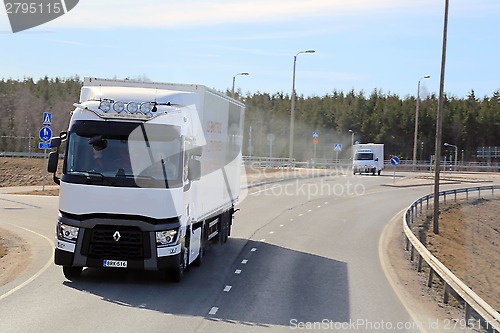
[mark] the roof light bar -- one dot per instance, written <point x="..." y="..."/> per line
<point x="137" y="109"/>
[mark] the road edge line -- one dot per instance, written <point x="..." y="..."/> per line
<point x="37" y="274"/>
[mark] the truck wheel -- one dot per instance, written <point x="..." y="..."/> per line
<point x="199" y="260"/>
<point x="379" y="172"/>
<point x="72" y="272"/>
<point x="226" y="222"/>
<point x="178" y="273"/>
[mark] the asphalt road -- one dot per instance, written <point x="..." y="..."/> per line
<point x="302" y="254"/>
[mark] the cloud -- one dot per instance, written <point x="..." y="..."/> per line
<point x="175" y="14"/>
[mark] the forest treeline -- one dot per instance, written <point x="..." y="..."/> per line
<point x="468" y="123"/>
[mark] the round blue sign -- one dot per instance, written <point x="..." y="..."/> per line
<point x="395" y="160"/>
<point x="45" y="134"/>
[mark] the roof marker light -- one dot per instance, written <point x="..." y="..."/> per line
<point x="132" y="107"/>
<point x="118" y="106"/>
<point x="105" y="105"/>
<point x="146" y="107"/>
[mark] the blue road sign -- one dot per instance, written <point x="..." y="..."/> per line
<point x="395" y="160"/>
<point x="315" y="134"/>
<point x="45" y="134"/>
<point x="43" y="145"/>
<point x="337" y="147"/>
<point x="47" y="118"/>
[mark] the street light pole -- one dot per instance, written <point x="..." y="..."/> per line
<point x="292" y="107"/>
<point x="234" y="79"/>
<point x="415" y="137"/>
<point x="352" y="142"/>
<point x="456" y="152"/>
<point x="439" y="124"/>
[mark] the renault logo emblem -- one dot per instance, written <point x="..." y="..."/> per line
<point x="117" y="236"/>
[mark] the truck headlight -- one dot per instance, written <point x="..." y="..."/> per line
<point x="166" y="237"/>
<point x="67" y="232"/>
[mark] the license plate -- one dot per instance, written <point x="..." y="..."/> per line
<point x="115" y="263"/>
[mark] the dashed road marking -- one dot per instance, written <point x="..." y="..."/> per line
<point x="213" y="310"/>
<point x="238" y="271"/>
<point x="271" y="232"/>
<point x="253" y="249"/>
<point x="227" y="289"/>
<point x="244" y="261"/>
<point x="281" y="225"/>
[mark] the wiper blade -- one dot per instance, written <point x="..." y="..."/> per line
<point x="134" y="176"/>
<point x="88" y="173"/>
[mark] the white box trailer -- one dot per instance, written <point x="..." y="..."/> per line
<point x="368" y="158"/>
<point x="151" y="174"/>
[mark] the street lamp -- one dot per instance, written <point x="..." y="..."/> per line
<point x="439" y="124"/>
<point x="234" y="79"/>
<point x="352" y="142"/>
<point x="352" y="137"/>
<point x="292" y="108"/>
<point x="456" y="151"/>
<point x="416" y="121"/>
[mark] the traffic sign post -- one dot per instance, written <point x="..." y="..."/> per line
<point x="394" y="161"/>
<point x="337" y="148"/>
<point x="43" y="145"/>
<point x="45" y="135"/>
<point x="47" y="119"/>
<point x="315" y="141"/>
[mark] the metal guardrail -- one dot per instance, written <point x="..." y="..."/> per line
<point x="21" y="154"/>
<point x="405" y="165"/>
<point x="475" y="306"/>
<point x="269" y="162"/>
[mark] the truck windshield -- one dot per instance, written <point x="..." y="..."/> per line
<point x="364" y="156"/>
<point x="124" y="154"/>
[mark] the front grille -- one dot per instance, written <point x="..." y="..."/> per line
<point x="116" y="242"/>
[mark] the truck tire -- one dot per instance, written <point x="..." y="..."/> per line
<point x="177" y="273"/>
<point x="199" y="260"/>
<point x="72" y="272"/>
<point x="379" y="172"/>
<point x="225" y="230"/>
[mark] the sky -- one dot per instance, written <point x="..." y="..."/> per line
<point x="360" y="45"/>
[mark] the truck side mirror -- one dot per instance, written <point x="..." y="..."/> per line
<point x="54" y="156"/>
<point x="55" y="142"/>
<point x="194" y="169"/>
<point x="52" y="165"/>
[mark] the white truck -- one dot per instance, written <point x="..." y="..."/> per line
<point x="151" y="175"/>
<point x="368" y="158"/>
